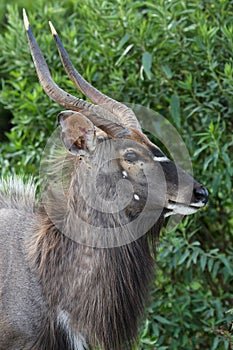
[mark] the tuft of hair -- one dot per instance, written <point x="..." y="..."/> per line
<point x="15" y="193"/>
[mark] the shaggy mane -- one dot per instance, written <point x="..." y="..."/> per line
<point x="17" y="194"/>
<point x="104" y="291"/>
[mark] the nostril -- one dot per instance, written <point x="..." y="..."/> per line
<point x="201" y="194"/>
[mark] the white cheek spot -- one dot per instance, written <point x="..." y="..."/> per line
<point x="125" y="175"/>
<point x="161" y="159"/>
<point x="136" y="197"/>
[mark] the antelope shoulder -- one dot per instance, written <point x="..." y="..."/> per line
<point x="20" y="293"/>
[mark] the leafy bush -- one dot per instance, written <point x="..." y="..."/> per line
<point x="176" y="58"/>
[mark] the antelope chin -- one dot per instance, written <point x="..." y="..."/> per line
<point x="173" y="208"/>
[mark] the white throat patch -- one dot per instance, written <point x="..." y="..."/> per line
<point x="77" y="341"/>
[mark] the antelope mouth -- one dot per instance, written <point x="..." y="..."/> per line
<point x="173" y="208"/>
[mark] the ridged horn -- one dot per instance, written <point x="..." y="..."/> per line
<point x="99" y="116"/>
<point x="125" y="115"/>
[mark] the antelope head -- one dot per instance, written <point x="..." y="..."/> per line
<point x="107" y="136"/>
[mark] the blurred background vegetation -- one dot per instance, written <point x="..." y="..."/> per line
<point x="176" y="58"/>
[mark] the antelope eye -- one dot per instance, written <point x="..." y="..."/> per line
<point x="131" y="156"/>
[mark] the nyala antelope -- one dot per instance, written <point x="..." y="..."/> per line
<point x="76" y="266"/>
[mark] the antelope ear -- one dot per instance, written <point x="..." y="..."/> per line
<point x="77" y="133"/>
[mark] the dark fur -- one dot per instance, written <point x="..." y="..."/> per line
<point x="104" y="290"/>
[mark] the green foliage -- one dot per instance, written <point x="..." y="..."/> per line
<point x="176" y="58"/>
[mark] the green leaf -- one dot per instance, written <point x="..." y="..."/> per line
<point x="123" y="41"/>
<point x="216" y="342"/>
<point x="210" y="264"/>
<point x="203" y="262"/>
<point x="184" y="257"/>
<point x="195" y="285"/>
<point x="162" y="320"/>
<point x="147" y="63"/>
<point x="215" y="269"/>
<point x="175" y="109"/>
<point x="227" y="264"/>
<point x="167" y="71"/>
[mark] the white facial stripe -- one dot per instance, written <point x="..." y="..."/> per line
<point x="136" y="197"/>
<point x="161" y="159"/>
